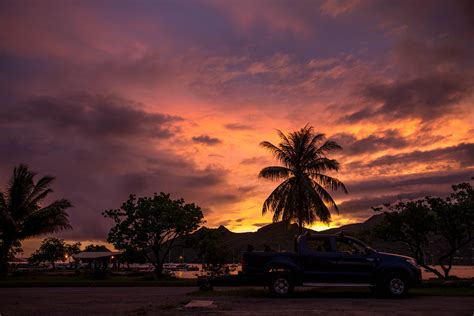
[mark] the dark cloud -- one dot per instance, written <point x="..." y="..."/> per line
<point x="397" y="183"/>
<point x="255" y="160"/>
<point x="261" y="224"/>
<point x="427" y="98"/>
<point x="223" y="198"/>
<point x="101" y="149"/>
<point x="389" y="189"/>
<point x="430" y="72"/>
<point x="462" y="155"/>
<point x="372" y="143"/>
<point x="207" y="140"/>
<point x="208" y="177"/>
<point x="247" y="189"/>
<point x="238" y="126"/>
<point x="365" y="204"/>
<point x="89" y="116"/>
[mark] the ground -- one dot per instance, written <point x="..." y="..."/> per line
<point x="171" y="301"/>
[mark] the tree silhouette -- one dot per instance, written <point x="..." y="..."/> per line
<point x="22" y="215"/>
<point x="151" y="225"/>
<point x="302" y="196"/>
<point x="52" y="250"/>
<point x="414" y="222"/>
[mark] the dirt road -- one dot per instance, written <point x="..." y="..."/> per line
<point x="170" y="301"/>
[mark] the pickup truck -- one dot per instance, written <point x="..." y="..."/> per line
<point x="323" y="260"/>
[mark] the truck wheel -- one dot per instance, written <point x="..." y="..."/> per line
<point x="281" y="285"/>
<point x="395" y="285"/>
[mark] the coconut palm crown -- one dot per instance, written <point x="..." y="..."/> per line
<point x="22" y="214"/>
<point x="302" y="196"/>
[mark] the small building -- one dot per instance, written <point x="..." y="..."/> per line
<point x="97" y="260"/>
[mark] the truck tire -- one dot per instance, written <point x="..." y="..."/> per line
<point x="395" y="285"/>
<point x="281" y="285"/>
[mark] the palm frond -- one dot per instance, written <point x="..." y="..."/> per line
<point x="277" y="195"/>
<point x="283" y="136"/>
<point x="314" y="205"/>
<point x="39" y="189"/>
<point x="19" y="187"/>
<point x="276" y="152"/>
<point x="322" y="164"/>
<point x="329" y="145"/>
<point x="50" y="219"/>
<point x="329" y="182"/>
<point x="325" y="197"/>
<point x="317" y="138"/>
<point x="275" y="173"/>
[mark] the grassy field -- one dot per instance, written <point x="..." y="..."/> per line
<point x="334" y="292"/>
<point x="73" y="280"/>
<point x="429" y="288"/>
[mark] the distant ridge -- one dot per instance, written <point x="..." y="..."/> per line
<point x="280" y="237"/>
<point x="357" y="227"/>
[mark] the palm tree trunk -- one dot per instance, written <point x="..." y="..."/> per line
<point x="300" y="226"/>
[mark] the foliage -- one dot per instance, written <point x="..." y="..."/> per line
<point x="54" y="249"/>
<point x="414" y="222"/>
<point x="302" y="196"/>
<point x="22" y="214"/>
<point x="454" y="221"/>
<point x="96" y="248"/>
<point x="211" y="251"/>
<point x="51" y="250"/>
<point x="151" y="225"/>
<point x="72" y="249"/>
<point x="132" y="256"/>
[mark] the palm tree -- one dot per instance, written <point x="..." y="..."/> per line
<point x="22" y="215"/>
<point x="302" y="196"/>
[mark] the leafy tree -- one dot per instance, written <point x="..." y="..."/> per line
<point x="410" y="223"/>
<point x="413" y="223"/>
<point x="22" y="214"/>
<point x="96" y="248"/>
<point x="454" y="221"/>
<point x="151" y="225"/>
<point x="130" y="256"/>
<point x="51" y="250"/>
<point x="302" y="196"/>
<point x="211" y="251"/>
<point x="72" y="249"/>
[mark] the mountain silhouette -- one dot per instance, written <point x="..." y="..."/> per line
<point x="281" y="236"/>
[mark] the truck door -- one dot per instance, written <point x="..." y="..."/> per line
<point x="355" y="265"/>
<point x="319" y="260"/>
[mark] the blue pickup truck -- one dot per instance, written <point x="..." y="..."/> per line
<point x="323" y="260"/>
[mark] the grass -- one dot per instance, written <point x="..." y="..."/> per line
<point x="430" y="288"/>
<point x="75" y="280"/>
<point x="334" y="292"/>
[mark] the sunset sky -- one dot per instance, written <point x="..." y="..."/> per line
<point x="120" y="97"/>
